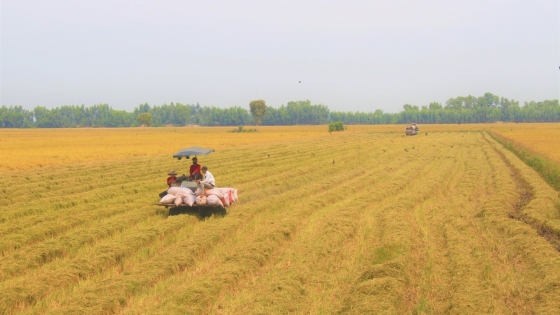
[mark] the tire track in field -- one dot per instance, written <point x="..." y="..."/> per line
<point x="486" y="273"/>
<point x="164" y="272"/>
<point x="475" y="271"/>
<point x="525" y="196"/>
<point x="529" y="275"/>
<point x="467" y="250"/>
<point x="313" y="284"/>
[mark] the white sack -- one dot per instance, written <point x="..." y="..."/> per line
<point x="201" y="200"/>
<point x="189" y="200"/>
<point x="213" y="200"/>
<point x="179" y="190"/>
<point x="215" y="191"/>
<point x="167" y="199"/>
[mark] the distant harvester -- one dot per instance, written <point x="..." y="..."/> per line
<point x="411" y="130"/>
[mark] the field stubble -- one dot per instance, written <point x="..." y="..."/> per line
<point x="348" y="223"/>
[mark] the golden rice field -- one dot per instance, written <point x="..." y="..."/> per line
<point x="544" y="139"/>
<point x="366" y="221"/>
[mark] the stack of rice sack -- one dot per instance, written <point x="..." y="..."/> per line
<point x="222" y="197"/>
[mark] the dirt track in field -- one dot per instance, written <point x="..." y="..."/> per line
<point x="354" y="223"/>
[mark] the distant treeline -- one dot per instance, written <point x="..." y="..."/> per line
<point x="463" y="109"/>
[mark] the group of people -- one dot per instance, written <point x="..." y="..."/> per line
<point x="203" y="178"/>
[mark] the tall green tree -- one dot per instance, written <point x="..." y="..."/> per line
<point x="258" y="110"/>
<point x="145" y="119"/>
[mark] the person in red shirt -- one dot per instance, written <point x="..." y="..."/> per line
<point x="172" y="178"/>
<point x="194" y="172"/>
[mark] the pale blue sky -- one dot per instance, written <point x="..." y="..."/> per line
<point x="348" y="55"/>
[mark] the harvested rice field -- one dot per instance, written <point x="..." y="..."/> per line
<point x="365" y="221"/>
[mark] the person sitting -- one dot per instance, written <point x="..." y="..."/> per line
<point x="207" y="181"/>
<point x="170" y="180"/>
<point x="194" y="172"/>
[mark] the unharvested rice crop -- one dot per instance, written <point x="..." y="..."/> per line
<point x="365" y="221"/>
<point x="544" y="139"/>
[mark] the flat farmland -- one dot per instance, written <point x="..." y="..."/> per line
<point x="543" y="139"/>
<point x="365" y="221"/>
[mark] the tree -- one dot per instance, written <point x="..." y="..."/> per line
<point x="336" y="126"/>
<point x="435" y="106"/>
<point x="144" y="119"/>
<point x="258" y="109"/>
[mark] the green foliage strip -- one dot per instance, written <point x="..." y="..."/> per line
<point x="469" y="109"/>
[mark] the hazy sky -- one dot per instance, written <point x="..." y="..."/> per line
<point x="348" y="55"/>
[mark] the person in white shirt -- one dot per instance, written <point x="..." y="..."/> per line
<point x="207" y="181"/>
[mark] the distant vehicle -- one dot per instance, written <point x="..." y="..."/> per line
<point x="411" y="130"/>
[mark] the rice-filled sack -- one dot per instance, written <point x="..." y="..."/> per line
<point x="213" y="200"/>
<point x="179" y="190"/>
<point x="189" y="200"/>
<point x="167" y="199"/>
<point x="198" y="192"/>
<point x="226" y="191"/>
<point x="178" y="201"/>
<point x="201" y="200"/>
<point x="226" y="200"/>
<point x="215" y="191"/>
<point x="230" y="195"/>
<point x="233" y="193"/>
